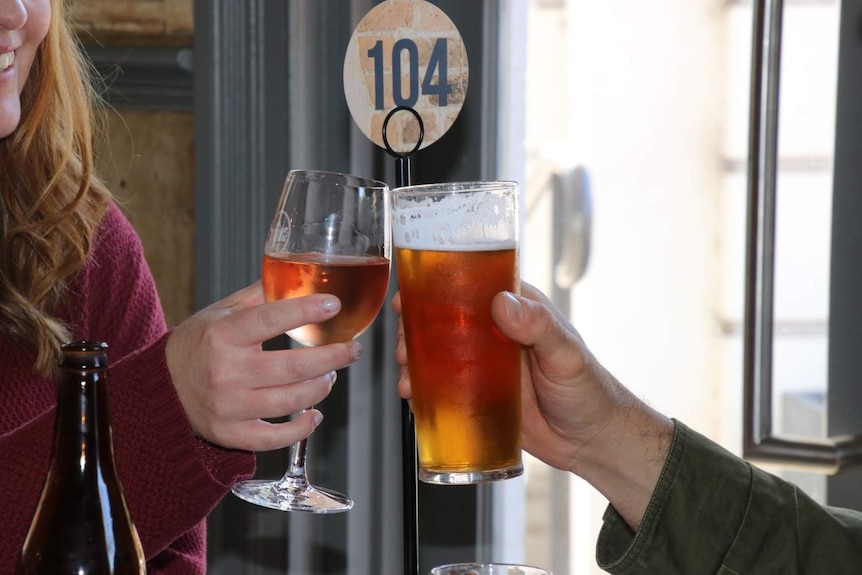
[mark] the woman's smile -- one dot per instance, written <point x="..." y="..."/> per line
<point x="6" y="60"/>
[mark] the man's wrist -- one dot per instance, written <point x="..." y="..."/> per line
<point x="625" y="462"/>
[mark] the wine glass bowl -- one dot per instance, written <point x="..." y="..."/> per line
<point x="305" y="274"/>
<point x="330" y="234"/>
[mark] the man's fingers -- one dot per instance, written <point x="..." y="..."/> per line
<point x="401" y="345"/>
<point x="404" y="390"/>
<point x="533" y="324"/>
<point x="531" y="292"/>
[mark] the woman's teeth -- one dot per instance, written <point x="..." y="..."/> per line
<point x="6" y="60"/>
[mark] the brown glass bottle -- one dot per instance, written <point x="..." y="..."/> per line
<point x="82" y="525"/>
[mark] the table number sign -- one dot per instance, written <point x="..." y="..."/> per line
<point x="405" y="54"/>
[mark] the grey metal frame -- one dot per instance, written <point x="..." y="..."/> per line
<point x="239" y="155"/>
<point x="843" y="448"/>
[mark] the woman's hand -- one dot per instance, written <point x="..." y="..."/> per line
<point x="228" y="384"/>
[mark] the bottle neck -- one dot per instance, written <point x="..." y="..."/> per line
<point x="82" y="435"/>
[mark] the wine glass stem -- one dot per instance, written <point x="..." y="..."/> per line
<point x="295" y="474"/>
<point x="297" y="459"/>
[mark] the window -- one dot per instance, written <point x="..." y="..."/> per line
<point x="651" y="99"/>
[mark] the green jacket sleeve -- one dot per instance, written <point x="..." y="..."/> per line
<point x="714" y="513"/>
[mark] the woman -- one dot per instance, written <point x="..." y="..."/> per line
<point x="187" y="404"/>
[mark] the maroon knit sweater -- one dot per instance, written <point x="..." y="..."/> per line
<point x="171" y="479"/>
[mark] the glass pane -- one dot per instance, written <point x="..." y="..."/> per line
<point x="804" y="225"/>
<point x="655" y="108"/>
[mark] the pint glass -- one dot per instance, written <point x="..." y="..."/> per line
<point x="456" y="248"/>
<point x="488" y="569"/>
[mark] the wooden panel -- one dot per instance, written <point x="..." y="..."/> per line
<point x="148" y="163"/>
<point x="147" y="156"/>
<point x="135" y="22"/>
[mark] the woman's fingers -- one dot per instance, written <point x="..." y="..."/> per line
<point x="287" y="399"/>
<point x="255" y="324"/>
<point x="228" y="384"/>
<point x="278" y="367"/>
<point x="259" y="435"/>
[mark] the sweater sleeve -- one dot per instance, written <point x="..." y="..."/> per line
<point x="171" y="479"/>
<point x="712" y="512"/>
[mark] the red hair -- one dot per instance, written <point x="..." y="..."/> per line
<point x="52" y="199"/>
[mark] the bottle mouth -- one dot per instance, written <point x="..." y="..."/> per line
<point x="84" y="355"/>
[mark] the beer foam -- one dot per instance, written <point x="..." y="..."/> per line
<point x="456" y="222"/>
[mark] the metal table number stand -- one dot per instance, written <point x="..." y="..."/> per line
<point x="404" y="177"/>
<point x="395" y="63"/>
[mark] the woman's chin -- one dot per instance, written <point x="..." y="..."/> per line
<point x="10" y="116"/>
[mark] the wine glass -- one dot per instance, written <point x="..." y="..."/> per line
<point x="330" y="234"/>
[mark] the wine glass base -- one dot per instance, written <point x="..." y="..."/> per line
<point x="301" y="497"/>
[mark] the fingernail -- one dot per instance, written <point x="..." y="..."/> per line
<point x="329" y="304"/>
<point x="332" y="377"/>
<point x="355" y="350"/>
<point x="513" y="308"/>
<point x="318" y="417"/>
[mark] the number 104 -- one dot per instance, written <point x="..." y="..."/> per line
<point x="437" y="64"/>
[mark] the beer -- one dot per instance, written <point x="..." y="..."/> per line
<point x="360" y="282"/>
<point x="465" y="375"/>
<point x="457" y="247"/>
